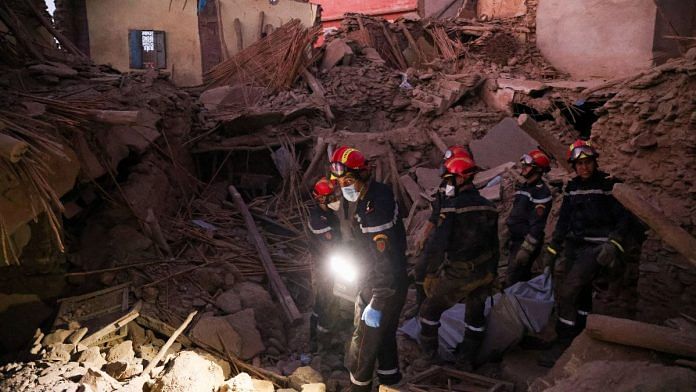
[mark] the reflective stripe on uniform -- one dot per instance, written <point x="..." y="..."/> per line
<point x="533" y="200"/>
<point x="566" y="322"/>
<point x="468" y="209"/>
<point x="588" y="192"/>
<point x="319" y="231"/>
<point x="356" y="382"/>
<point x="475" y="329"/>
<point x="388" y="371"/>
<point x="583" y="313"/>
<point x="596" y="239"/>
<point x="322" y="329"/>
<point x="428" y="322"/>
<point x="386" y="226"/>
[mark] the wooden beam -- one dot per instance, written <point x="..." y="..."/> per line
<point x="317" y="159"/>
<point x="437" y="141"/>
<point x="113" y="326"/>
<point x="638" y="334"/>
<point x="277" y="285"/>
<point x="116" y="117"/>
<point x="169" y="343"/>
<point x="261" y="17"/>
<point x="398" y="189"/>
<point x="670" y="232"/>
<point x="238" y="32"/>
<point x="246" y="143"/>
<point x="12" y="149"/>
<point x="548" y="142"/>
<point x="320" y="93"/>
<point x="64" y="41"/>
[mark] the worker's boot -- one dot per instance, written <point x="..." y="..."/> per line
<point x="420" y="297"/>
<point x="429" y="353"/>
<point x="313" y="333"/>
<point x="465" y="353"/>
<point x="566" y="334"/>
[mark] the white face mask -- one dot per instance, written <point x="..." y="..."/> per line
<point x="350" y="193"/>
<point x="449" y="190"/>
<point x="335" y="205"/>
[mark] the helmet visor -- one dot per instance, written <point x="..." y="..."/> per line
<point x="337" y="169"/>
<point x="527" y="159"/>
<point x="581" y="152"/>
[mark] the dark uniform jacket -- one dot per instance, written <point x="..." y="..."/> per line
<point x="530" y="209"/>
<point x="383" y="239"/>
<point x="467" y="231"/>
<point x="589" y="212"/>
<point x="324" y="225"/>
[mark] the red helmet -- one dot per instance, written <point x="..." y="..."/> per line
<point x="345" y="160"/>
<point x="323" y="188"/>
<point x="581" y="149"/>
<point x="538" y="159"/>
<point x="463" y="166"/>
<point x="456" y="150"/>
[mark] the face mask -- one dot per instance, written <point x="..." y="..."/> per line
<point x="335" y="205"/>
<point x="350" y="193"/>
<point x="449" y="190"/>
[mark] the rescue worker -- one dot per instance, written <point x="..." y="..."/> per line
<point x="591" y="230"/>
<point x="325" y="226"/>
<point x="419" y="271"/>
<point x="527" y="219"/>
<point x="383" y="283"/>
<point x="462" y="260"/>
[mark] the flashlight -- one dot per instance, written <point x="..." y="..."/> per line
<point x="343" y="266"/>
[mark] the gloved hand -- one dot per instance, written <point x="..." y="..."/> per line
<point x="608" y="254"/>
<point x="549" y="256"/>
<point x="524" y="254"/>
<point x="429" y="284"/>
<point x="371" y="316"/>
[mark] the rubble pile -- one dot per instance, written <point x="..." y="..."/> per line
<point x="645" y="132"/>
<point x="119" y="368"/>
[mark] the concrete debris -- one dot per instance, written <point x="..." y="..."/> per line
<point x="229" y="301"/>
<point x="189" y="372"/>
<point x="506" y="142"/>
<point x="92" y="357"/>
<point x="335" y="52"/>
<point x="122" y="352"/>
<point x="304" y="375"/>
<point x="216" y="332"/>
<point x="245" y="324"/>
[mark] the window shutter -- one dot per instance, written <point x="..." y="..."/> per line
<point x="135" y="45"/>
<point x="160" y="49"/>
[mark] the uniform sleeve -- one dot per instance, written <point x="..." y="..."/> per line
<point x="435" y="205"/>
<point x="563" y="223"/>
<point x="321" y="229"/>
<point x="378" y="224"/>
<point x="437" y="244"/>
<point x="537" y="220"/>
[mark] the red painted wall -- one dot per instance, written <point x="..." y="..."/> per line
<point x="333" y="10"/>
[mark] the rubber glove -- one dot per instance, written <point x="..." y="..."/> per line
<point x="371" y="316"/>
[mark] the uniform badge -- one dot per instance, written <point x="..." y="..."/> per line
<point x="380" y="242"/>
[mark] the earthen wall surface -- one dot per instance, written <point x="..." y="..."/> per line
<point x="110" y="20"/>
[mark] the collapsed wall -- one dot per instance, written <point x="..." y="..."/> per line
<point x="645" y="134"/>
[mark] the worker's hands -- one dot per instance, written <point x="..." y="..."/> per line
<point x="608" y="254"/>
<point x="371" y="316"/>
<point x="523" y="256"/>
<point x="429" y="284"/>
<point x="549" y="256"/>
